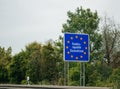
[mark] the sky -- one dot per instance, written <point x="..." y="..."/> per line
<point x="26" y="21"/>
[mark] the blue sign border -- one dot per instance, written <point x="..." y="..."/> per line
<point x="87" y="56"/>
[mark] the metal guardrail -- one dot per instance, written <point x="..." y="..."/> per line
<point x="9" y="86"/>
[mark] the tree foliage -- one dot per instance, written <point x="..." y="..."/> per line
<point x="5" y="59"/>
<point x="34" y="58"/>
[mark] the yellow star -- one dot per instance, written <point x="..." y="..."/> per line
<point x="71" y="38"/>
<point x="66" y="47"/>
<point x="81" y="38"/>
<point x="71" y="56"/>
<point x="85" y="47"/>
<point x="84" y="42"/>
<point x="68" y="52"/>
<point x="84" y="52"/>
<point x="76" y="37"/>
<point x="76" y="58"/>
<point x="68" y="41"/>
<point x="81" y="56"/>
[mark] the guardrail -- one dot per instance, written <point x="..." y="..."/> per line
<point x="9" y="86"/>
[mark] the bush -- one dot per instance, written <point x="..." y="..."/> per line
<point x="44" y="82"/>
<point x="115" y="78"/>
<point x="24" y="82"/>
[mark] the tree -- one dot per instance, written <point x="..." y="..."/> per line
<point x="34" y="62"/>
<point x="111" y="42"/>
<point x="27" y="63"/>
<point x="18" y="68"/>
<point x="5" y="56"/>
<point x="5" y="59"/>
<point x="58" y="49"/>
<point x="50" y="63"/>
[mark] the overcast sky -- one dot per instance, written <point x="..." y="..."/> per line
<point x="25" y="21"/>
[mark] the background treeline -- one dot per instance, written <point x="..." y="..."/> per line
<point x="44" y="64"/>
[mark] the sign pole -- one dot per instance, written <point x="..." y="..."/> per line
<point x="82" y="74"/>
<point x="64" y="73"/>
<point x="68" y="73"/>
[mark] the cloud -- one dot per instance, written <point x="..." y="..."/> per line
<point x="24" y="21"/>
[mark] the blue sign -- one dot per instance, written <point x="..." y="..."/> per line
<point x="76" y="47"/>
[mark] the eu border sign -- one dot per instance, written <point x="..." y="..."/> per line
<point x="76" y="47"/>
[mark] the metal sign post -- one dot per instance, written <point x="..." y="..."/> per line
<point x="76" y="49"/>
<point x="66" y="73"/>
<point x="82" y="74"/>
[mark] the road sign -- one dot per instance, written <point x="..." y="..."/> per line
<point x="76" y="47"/>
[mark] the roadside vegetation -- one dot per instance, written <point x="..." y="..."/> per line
<point x="44" y="64"/>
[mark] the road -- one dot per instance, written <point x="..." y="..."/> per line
<point x="46" y="87"/>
